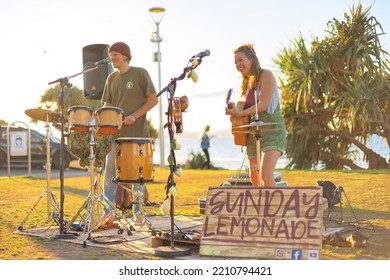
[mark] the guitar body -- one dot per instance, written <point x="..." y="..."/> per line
<point x="240" y="134"/>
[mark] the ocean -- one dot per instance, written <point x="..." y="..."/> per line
<point x="225" y="154"/>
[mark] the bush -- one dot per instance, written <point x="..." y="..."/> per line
<point x="194" y="160"/>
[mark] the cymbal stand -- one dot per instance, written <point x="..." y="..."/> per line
<point x="50" y="196"/>
<point x="258" y="146"/>
<point x="258" y="158"/>
<point x="96" y="204"/>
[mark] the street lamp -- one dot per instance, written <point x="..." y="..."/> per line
<point x="157" y="14"/>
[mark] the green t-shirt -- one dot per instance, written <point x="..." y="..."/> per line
<point x="129" y="91"/>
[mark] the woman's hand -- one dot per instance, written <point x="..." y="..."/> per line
<point x="232" y="112"/>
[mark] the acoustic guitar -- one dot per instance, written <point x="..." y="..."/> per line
<point x="240" y="134"/>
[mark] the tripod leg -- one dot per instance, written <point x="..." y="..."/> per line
<point x="87" y="226"/>
<point x="114" y="213"/>
<point x="331" y="206"/>
<point x="84" y="206"/>
<point x="350" y="207"/>
<point x="20" y="227"/>
<point x="139" y="217"/>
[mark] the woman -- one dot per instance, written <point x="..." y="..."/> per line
<point x="260" y="85"/>
<point x="205" y="145"/>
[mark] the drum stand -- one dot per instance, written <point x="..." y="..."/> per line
<point x="96" y="204"/>
<point x="50" y="196"/>
<point x="139" y="217"/>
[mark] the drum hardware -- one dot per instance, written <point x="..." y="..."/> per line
<point x="134" y="166"/>
<point x="256" y="124"/>
<point x="252" y="131"/>
<point x="136" y="194"/>
<point x="98" y="208"/>
<point x="257" y="128"/>
<point x="44" y="115"/>
<point x="64" y="82"/>
<point x="50" y="196"/>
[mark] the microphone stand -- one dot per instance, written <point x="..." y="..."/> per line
<point x="171" y="88"/>
<point x="64" y="82"/>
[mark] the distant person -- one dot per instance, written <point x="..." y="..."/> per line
<point x="205" y="145"/>
<point x="131" y="89"/>
<point x="260" y="83"/>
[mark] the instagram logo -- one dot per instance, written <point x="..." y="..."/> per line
<point x="280" y="253"/>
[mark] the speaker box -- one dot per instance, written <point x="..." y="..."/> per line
<point x="95" y="80"/>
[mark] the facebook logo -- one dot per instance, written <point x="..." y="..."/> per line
<point x="296" y="254"/>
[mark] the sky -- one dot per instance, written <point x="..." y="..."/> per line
<point x="42" y="40"/>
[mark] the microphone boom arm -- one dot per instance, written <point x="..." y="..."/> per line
<point x="186" y="70"/>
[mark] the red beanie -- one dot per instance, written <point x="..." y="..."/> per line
<point x="121" y="48"/>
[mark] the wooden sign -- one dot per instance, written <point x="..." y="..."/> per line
<point x="263" y="223"/>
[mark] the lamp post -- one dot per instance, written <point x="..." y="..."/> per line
<point x="157" y="14"/>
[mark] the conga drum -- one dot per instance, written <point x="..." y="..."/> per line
<point x="134" y="160"/>
<point x="79" y="118"/>
<point x="109" y="119"/>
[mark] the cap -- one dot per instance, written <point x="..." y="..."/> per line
<point x="121" y="48"/>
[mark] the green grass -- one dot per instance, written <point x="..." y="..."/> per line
<point x="368" y="192"/>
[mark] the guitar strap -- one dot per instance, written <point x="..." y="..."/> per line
<point x="249" y="99"/>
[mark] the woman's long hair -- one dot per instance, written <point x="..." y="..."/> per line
<point x="205" y="130"/>
<point x="250" y="82"/>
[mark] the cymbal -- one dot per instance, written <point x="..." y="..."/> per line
<point x="255" y="124"/>
<point x="42" y="115"/>
<point x="254" y="131"/>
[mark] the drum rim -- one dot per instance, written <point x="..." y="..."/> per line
<point x="75" y="107"/>
<point x="132" y="139"/>
<point x="119" y="110"/>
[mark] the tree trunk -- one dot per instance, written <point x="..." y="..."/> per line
<point x="326" y="157"/>
<point x="374" y="160"/>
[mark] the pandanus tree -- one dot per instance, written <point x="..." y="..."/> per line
<point x="335" y="95"/>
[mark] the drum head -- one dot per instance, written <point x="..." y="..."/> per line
<point x="112" y="108"/>
<point x="80" y="107"/>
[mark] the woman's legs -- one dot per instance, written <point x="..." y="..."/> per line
<point x="207" y="162"/>
<point x="269" y="160"/>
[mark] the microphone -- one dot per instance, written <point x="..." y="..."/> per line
<point x="202" y="54"/>
<point x="102" y="61"/>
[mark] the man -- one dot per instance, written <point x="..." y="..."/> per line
<point x="130" y="89"/>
